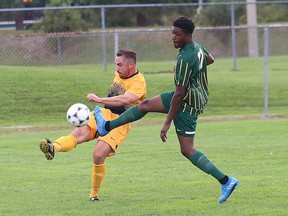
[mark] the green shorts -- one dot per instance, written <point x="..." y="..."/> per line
<point x="185" y="123"/>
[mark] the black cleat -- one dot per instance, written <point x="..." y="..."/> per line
<point x="47" y="148"/>
<point x="96" y="198"/>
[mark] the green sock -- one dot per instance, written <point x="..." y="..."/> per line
<point x="129" y="115"/>
<point x="203" y="163"/>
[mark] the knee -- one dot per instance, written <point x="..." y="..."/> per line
<point x="185" y="153"/>
<point x="188" y="152"/>
<point x="144" y="106"/>
<point x="98" y="157"/>
<point x="82" y="134"/>
<point x="76" y="132"/>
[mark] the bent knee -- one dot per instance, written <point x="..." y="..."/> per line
<point x="144" y="105"/>
<point x="185" y="154"/>
<point x="82" y="134"/>
<point x="98" y="157"/>
<point x="101" y="151"/>
<point x="188" y="152"/>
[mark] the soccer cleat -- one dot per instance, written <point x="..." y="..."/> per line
<point x="96" y="198"/>
<point x="227" y="189"/>
<point x="100" y="121"/>
<point x="47" y="148"/>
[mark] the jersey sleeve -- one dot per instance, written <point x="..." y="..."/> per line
<point x="138" y="87"/>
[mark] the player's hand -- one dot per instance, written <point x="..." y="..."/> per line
<point x="163" y="133"/>
<point x="93" y="98"/>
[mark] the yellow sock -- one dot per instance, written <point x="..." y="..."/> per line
<point x="65" y="143"/>
<point x="98" y="174"/>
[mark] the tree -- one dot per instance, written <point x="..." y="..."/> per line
<point x="61" y="20"/>
<point x="272" y="13"/>
<point x="144" y="16"/>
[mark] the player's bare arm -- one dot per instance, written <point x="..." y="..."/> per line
<point x="209" y="59"/>
<point x="175" y="106"/>
<point x="119" y="100"/>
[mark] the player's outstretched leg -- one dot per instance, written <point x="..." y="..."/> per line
<point x="47" y="148"/>
<point x="227" y="189"/>
<point x="100" y="121"/>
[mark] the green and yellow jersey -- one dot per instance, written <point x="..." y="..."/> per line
<point x="191" y="71"/>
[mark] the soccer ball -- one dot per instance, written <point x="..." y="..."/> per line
<point x="78" y="115"/>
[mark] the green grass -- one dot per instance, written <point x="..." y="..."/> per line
<point x="147" y="177"/>
<point x="33" y="95"/>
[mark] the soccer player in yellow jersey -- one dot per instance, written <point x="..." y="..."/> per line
<point x="182" y="105"/>
<point x="128" y="89"/>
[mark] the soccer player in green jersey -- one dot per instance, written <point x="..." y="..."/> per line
<point x="183" y="105"/>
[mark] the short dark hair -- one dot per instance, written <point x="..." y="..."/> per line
<point x="185" y="24"/>
<point x="127" y="53"/>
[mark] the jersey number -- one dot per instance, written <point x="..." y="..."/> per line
<point x="201" y="58"/>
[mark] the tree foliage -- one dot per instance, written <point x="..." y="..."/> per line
<point x="141" y="16"/>
<point x="78" y="20"/>
<point x="219" y="15"/>
<point x="61" y="20"/>
<point x="272" y="13"/>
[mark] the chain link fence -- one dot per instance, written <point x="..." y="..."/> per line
<point x="151" y="45"/>
<point x="233" y="40"/>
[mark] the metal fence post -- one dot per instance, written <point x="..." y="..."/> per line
<point x="233" y="36"/>
<point x="266" y="55"/>
<point x="59" y="51"/>
<point x="104" y="38"/>
<point x="116" y="42"/>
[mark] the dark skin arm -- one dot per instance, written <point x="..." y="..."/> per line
<point x="209" y="59"/>
<point x="175" y="106"/>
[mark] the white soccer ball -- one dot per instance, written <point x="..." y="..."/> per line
<point x="78" y="115"/>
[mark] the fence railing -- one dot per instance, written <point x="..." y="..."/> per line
<point x="100" y="45"/>
<point x="150" y="44"/>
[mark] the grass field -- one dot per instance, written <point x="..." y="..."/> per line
<point x="146" y="177"/>
<point x="33" y="95"/>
